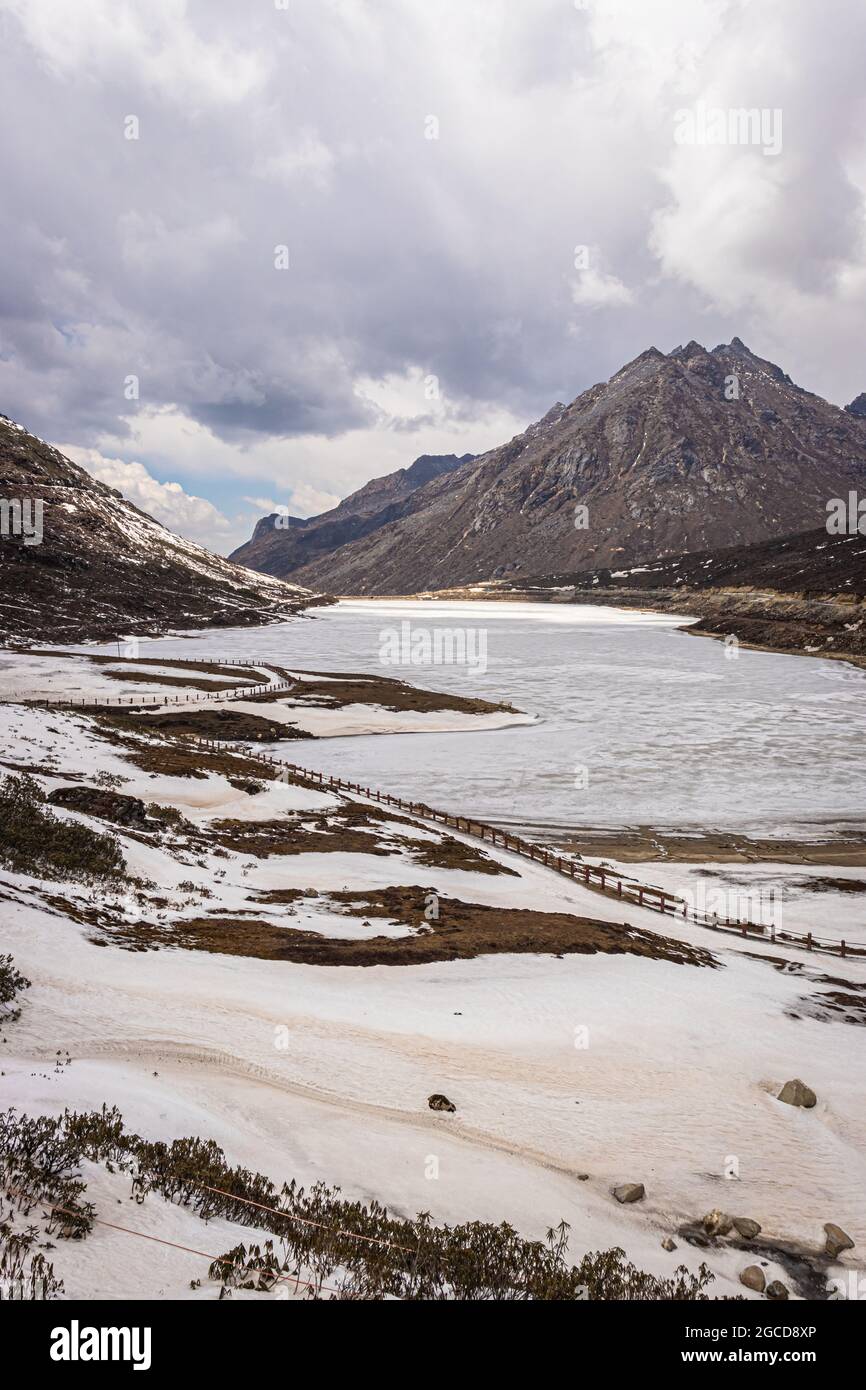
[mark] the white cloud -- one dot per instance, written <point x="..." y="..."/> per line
<point x="595" y="288"/>
<point x="410" y="258"/>
<point x="309" y="501"/>
<point x="190" y="516"/>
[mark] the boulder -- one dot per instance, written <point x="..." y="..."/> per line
<point x="837" y="1240"/>
<point x="746" y="1227"/>
<point x="777" y="1290"/>
<point x="796" y="1092"/>
<point x="669" y="1244"/>
<point x="630" y="1192"/>
<point x="718" y="1223"/>
<point x="440" y="1102"/>
<point x="753" y="1278"/>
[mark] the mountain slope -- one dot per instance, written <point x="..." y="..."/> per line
<point x="103" y="568"/>
<point x="802" y="593"/>
<point x="658" y="455"/>
<point x="808" y="564"/>
<point x="281" y="545"/>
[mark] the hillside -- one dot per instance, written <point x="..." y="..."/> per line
<point x="663" y="462"/>
<point x="103" y="568"/>
<point x="281" y="545"/>
<point x="803" y="593"/>
<point x="808" y="564"/>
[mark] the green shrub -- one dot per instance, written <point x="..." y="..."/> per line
<point x="328" y="1242"/>
<point x="35" y="841"/>
<point x="11" y="984"/>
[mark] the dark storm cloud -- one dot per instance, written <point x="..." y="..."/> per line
<point x="454" y="257"/>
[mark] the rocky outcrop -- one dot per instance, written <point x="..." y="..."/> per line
<point x="440" y="1102"/>
<point x="796" y="1092"/>
<point x="746" y="1227"/>
<point x="718" y="1223"/>
<point x="837" y="1240"/>
<point x="629" y="1192"/>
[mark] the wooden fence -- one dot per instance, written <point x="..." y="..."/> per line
<point x="243" y="692"/>
<point x="590" y="876"/>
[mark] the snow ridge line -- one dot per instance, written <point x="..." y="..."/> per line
<point x="597" y="879"/>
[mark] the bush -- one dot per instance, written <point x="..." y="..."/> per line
<point x="35" y="841"/>
<point x="11" y="984"/>
<point x="324" y="1240"/>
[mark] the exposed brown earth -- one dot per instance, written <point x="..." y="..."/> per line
<point x="384" y="691"/>
<point x="353" y="827"/>
<point x="215" y="721"/>
<point x="167" y="758"/>
<point x="462" y="932"/>
<point x="188" y="682"/>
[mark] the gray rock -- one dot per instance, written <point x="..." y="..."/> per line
<point x="717" y="1223"/>
<point x="440" y="1102"/>
<point x="753" y="1278"/>
<point x="629" y="1192"/>
<point x="796" y="1092"/>
<point x="777" y="1290"/>
<point x="837" y="1240"/>
<point x="746" y="1227"/>
<point x="669" y="1244"/>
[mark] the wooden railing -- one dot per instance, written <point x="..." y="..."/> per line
<point x="590" y="876"/>
<point x="233" y="692"/>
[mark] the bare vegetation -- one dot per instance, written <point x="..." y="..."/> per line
<point x="318" y="1237"/>
<point x="35" y="841"/>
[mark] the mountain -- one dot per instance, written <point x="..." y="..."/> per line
<point x="79" y="562"/>
<point x="659" y="456"/>
<point x="809" y="564"/>
<point x="281" y="545"/>
<point x="801" y="593"/>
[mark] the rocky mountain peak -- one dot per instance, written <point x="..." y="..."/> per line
<point x="668" y="456"/>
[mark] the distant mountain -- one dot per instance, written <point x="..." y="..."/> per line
<point x="678" y="452"/>
<point x="77" y="561"/>
<point x="281" y="545"/>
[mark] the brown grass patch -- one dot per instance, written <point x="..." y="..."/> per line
<point x="350" y="828"/>
<point x="349" y="689"/>
<point x="462" y="932"/>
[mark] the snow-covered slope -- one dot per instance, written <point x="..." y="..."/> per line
<point x="78" y="561"/>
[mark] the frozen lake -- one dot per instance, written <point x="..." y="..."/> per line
<point x="641" y="723"/>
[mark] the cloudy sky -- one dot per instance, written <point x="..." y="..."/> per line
<point x="321" y="237"/>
